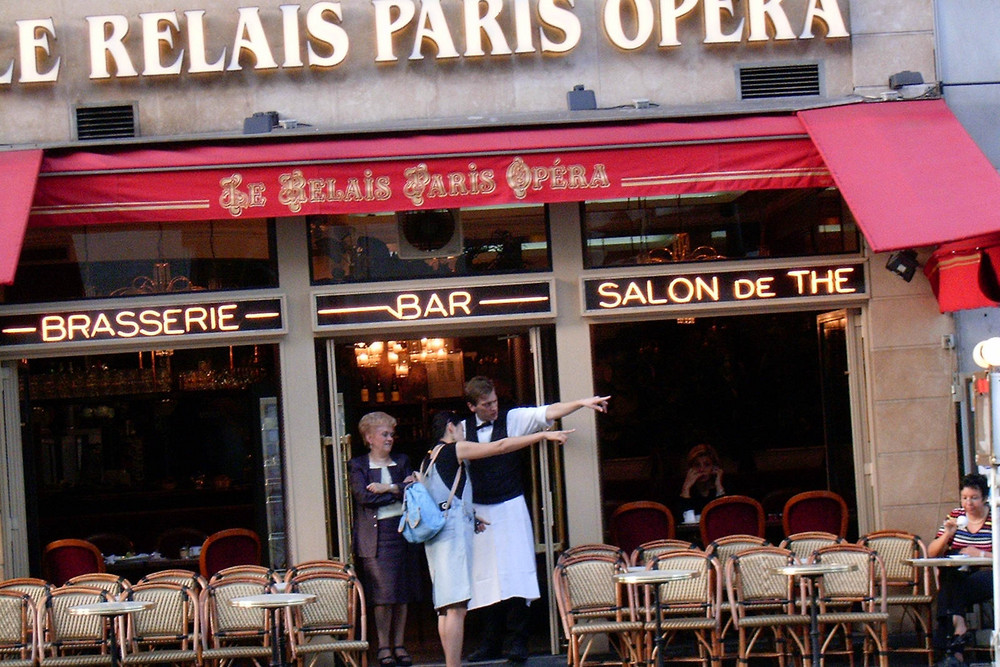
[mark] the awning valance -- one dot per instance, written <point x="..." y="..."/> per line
<point x="19" y="170"/>
<point x="964" y="274"/>
<point x="909" y="172"/>
<point x="412" y="171"/>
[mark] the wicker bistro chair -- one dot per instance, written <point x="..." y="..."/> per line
<point x="334" y="623"/>
<point x="908" y="587"/>
<point x="591" y="604"/>
<point x="853" y="600"/>
<point x="34" y="588"/>
<point x="595" y="548"/>
<point x="166" y="633"/>
<point x="310" y="566"/>
<point x="804" y="544"/>
<point x="232" y="633"/>
<point x="723" y="549"/>
<point x="187" y="578"/>
<point x="69" y="640"/>
<point x="647" y="551"/>
<point x="686" y="607"/>
<point x="17" y="647"/>
<point x="260" y="572"/>
<point x="763" y="605"/>
<point x="111" y="584"/>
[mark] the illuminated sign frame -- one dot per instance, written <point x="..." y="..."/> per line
<point x="451" y="304"/>
<point x="150" y="322"/>
<point x="701" y="287"/>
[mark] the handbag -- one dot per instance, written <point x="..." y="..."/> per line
<point x="423" y="517"/>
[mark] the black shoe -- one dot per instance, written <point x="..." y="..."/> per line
<point x="483" y="653"/>
<point x="518" y="652"/>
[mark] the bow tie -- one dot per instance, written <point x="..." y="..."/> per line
<point x="484" y="425"/>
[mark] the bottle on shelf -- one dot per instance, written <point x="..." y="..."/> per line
<point x="365" y="393"/>
<point x="379" y="392"/>
<point x="394" y="391"/>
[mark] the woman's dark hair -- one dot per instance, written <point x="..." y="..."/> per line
<point x="440" y="422"/>
<point x="976" y="481"/>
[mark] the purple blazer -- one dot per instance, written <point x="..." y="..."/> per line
<point x="366" y="503"/>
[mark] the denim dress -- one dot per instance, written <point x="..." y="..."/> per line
<point x="449" y="553"/>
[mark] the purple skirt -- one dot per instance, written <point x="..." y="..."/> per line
<point x="391" y="577"/>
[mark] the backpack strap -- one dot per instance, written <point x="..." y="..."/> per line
<point x="425" y="465"/>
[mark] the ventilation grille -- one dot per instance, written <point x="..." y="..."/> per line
<point x="106" y="122"/>
<point x="779" y="81"/>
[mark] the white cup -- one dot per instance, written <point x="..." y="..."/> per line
<point x="689" y="516"/>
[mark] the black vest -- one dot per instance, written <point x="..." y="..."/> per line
<point x="497" y="478"/>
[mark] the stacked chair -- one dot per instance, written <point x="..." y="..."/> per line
<point x="17" y="646"/>
<point x="336" y="623"/>
<point x="192" y="621"/>
<point x="591" y="605"/>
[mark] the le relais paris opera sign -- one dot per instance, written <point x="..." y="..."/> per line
<point x="167" y="43"/>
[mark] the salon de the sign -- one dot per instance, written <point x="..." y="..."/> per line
<point x="169" y="43"/>
<point x="705" y="287"/>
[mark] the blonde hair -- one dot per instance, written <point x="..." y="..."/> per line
<point x="703" y="449"/>
<point x="374" y="420"/>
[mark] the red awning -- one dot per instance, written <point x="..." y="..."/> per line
<point x="19" y="170"/>
<point x="909" y="171"/>
<point x="964" y="274"/>
<point x="411" y="171"/>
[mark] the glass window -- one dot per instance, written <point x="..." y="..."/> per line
<point x="720" y="225"/>
<point x="417" y="244"/>
<point x="96" y="261"/>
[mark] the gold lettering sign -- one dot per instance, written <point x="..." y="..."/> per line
<point x="166" y="43"/>
<point x="733" y="286"/>
<point x="341" y="310"/>
<point x="120" y="325"/>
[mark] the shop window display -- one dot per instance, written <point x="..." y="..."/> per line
<point x="146" y="441"/>
<point x="718" y="226"/>
<point x="423" y="244"/>
<point x="99" y="261"/>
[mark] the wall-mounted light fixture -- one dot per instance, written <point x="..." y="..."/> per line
<point x="903" y="263"/>
<point x="581" y="99"/>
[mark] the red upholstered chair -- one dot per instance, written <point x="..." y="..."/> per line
<point x="731" y="515"/>
<point x="65" y="559"/>
<point x="641" y="521"/>
<point x="226" y="548"/>
<point x="815" y="510"/>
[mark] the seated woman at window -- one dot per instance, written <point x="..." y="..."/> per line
<point x="966" y="530"/>
<point x="703" y="481"/>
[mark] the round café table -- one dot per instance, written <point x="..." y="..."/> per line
<point x="112" y="610"/>
<point x="274" y="602"/>
<point x="637" y="576"/>
<point x="812" y="572"/>
<point x="952" y="561"/>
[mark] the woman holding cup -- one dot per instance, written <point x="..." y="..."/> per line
<point x="968" y="531"/>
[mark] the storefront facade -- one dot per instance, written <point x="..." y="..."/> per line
<point x="686" y="201"/>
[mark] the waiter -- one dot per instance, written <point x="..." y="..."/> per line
<point x="504" y="580"/>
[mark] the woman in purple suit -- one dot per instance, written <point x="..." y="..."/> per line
<point x="387" y="561"/>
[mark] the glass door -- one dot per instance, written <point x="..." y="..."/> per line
<point x="12" y="500"/>
<point x="844" y="431"/>
<point x="412" y="379"/>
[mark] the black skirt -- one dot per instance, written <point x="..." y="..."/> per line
<point x="391" y="577"/>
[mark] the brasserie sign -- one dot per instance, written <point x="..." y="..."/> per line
<point x="705" y="287"/>
<point x="162" y="42"/>
<point x="146" y="321"/>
